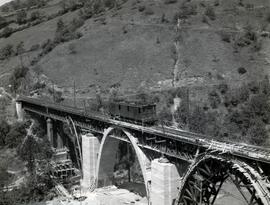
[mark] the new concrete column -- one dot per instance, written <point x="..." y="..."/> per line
<point x="50" y="131"/>
<point x="19" y="111"/>
<point x="165" y="181"/>
<point x="90" y="149"/>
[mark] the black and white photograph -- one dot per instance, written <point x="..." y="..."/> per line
<point x="140" y="102"/>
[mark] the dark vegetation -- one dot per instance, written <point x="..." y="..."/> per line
<point x="27" y="4"/>
<point x="186" y="10"/>
<point x="36" y="152"/>
<point x="229" y="114"/>
<point x="240" y="114"/>
<point x="210" y="13"/>
<point x="17" y="79"/>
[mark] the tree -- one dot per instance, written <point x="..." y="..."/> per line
<point x="28" y="151"/>
<point x="21" y="16"/>
<point x="17" y="77"/>
<point x="210" y="12"/>
<point x="4" y="176"/>
<point x="197" y="120"/>
<point x="20" y="48"/>
<point x="5" y="8"/>
<point x="6" y="52"/>
<point x="4" y="129"/>
<point x="35" y="16"/>
<point x="15" y="135"/>
<point x="3" y="22"/>
<point x="72" y="49"/>
<point x="7" y="32"/>
<point x="257" y="133"/>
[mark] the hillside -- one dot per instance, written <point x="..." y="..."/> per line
<point x="141" y="45"/>
<point x="132" y="48"/>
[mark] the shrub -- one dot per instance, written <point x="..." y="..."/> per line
<point x="47" y="47"/>
<point x="66" y="32"/>
<point x="16" y="77"/>
<point x="226" y="37"/>
<point x="241" y="70"/>
<point x="4" y="129"/>
<point x="109" y="3"/>
<point x="214" y="99"/>
<point x="148" y="11"/>
<point x="3" y="22"/>
<point x="7" y="32"/>
<point x="257" y="45"/>
<point x="76" y="23"/>
<point x="87" y="11"/>
<point x="197" y="120"/>
<point x="257" y="133"/>
<point x="223" y="88"/>
<point x="35" y="15"/>
<point x="72" y="49"/>
<point x="204" y="19"/>
<point x="6" y="51"/>
<point x="186" y="10"/>
<point x="34" y="47"/>
<point x="5" y="8"/>
<point x="21" y="16"/>
<point x="210" y="12"/>
<point x="141" y="8"/>
<point x="170" y="1"/>
<point x="250" y="34"/>
<point x="98" y="7"/>
<point x="16" y="134"/>
<point x="20" y="48"/>
<point x="268" y="17"/>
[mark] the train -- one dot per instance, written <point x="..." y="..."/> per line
<point x="139" y="113"/>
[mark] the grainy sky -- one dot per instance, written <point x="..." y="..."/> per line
<point x="4" y="1"/>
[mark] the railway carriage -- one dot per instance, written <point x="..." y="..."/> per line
<point x="134" y="112"/>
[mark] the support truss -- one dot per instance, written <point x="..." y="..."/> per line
<point x="205" y="177"/>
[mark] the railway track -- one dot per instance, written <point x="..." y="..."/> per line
<point x="236" y="149"/>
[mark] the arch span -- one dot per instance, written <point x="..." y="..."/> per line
<point x="204" y="178"/>
<point x="106" y="158"/>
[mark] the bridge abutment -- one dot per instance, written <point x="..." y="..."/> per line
<point x="165" y="182"/>
<point x="90" y="149"/>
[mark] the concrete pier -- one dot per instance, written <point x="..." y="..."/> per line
<point x="165" y="181"/>
<point x="19" y="111"/>
<point x="59" y="141"/>
<point x="50" y="131"/>
<point x="90" y="149"/>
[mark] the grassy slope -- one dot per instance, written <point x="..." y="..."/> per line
<point x="105" y="55"/>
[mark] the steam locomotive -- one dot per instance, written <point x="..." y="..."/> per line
<point x="139" y="113"/>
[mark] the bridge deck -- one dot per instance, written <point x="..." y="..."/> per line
<point x="236" y="149"/>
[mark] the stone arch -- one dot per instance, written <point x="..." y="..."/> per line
<point x="211" y="172"/>
<point x="107" y="151"/>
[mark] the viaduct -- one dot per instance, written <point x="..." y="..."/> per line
<point x="178" y="167"/>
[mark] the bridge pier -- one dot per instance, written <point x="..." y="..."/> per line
<point x="19" y="111"/>
<point x="59" y="143"/>
<point x="90" y="149"/>
<point x="165" y="182"/>
<point x="50" y="131"/>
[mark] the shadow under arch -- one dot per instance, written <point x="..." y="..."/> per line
<point x="210" y="172"/>
<point x="106" y="158"/>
